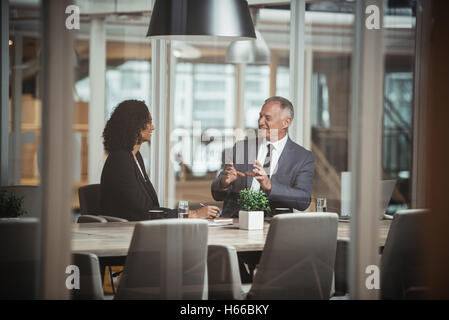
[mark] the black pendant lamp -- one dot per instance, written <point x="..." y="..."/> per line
<point x="201" y="20"/>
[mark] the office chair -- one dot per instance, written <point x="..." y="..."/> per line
<point x="166" y="260"/>
<point x="403" y="268"/>
<point x="297" y="261"/>
<point x="90" y="208"/>
<point x="87" y="218"/>
<point x="89" y="198"/>
<point x="90" y="277"/>
<point x="19" y="258"/>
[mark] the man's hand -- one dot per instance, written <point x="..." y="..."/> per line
<point x="207" y="212"/>
<point x="230" y="175"/>
<point x="261" y="176"/>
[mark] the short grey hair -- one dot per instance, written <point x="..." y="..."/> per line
<point x="284" y="103"/>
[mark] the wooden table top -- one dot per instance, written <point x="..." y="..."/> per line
<point x="112" y="239"/>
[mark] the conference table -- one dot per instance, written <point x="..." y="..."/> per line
<point x="112" y="239"/>
<point x="110" y="242"/>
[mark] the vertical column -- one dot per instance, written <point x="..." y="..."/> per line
<point x="273" y="72"/>
<point x="57" y="133"/>
<point x="436" y="239"/>
<point x="97" y="74"/>
<point x="420" y="105"/>
<point x="4" y="92"/>
<point x="158" y="109"/>
<point x="297" y="34"/>
<point x="240" y="96"/>
<point x="366" y="134"/>
<point x="307" y="121"/>
<point x="17" y="111"/>
<point x="170" y="178"/>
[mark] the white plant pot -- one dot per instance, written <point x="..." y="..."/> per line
<point x="251" y="220"/>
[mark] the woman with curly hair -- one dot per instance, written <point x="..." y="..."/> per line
<point x="126" y="190"/>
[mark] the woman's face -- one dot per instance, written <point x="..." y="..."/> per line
<point x="146" y="133"/>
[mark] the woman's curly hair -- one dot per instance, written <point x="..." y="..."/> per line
<point x="122" y="131"/>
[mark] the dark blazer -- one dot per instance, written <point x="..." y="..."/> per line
<point x="124" y="192"/>
<point x="291" y="182"/>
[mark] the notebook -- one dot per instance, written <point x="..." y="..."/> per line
<point x="218" y="222"/>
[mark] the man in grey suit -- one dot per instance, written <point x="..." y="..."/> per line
<point x="271" y="162"/>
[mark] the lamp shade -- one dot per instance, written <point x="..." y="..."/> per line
<point x="201" y="20"/>
<point x="249" y="51"/>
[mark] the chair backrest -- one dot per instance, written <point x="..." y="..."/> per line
<point x="166" y="260"/>
<point x="402" y="263"/>
<point x="90" y="277"/>
<point x="32" y="198"/>
<point x="298" y="259"/>
<point x="19" y="258"/>
<point x="223" y="273"/>
<point x="89" y="197"/>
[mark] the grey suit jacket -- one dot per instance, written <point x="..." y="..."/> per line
<point x="291" y="181"/>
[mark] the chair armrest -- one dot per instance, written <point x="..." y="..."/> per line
<point x="223" y="273"/>
<point x="113" y="219"/>
<point x="87" y="218"/>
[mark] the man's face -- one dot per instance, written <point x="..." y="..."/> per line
<point x="273" y="121"/>
<point x="146" y="133"/>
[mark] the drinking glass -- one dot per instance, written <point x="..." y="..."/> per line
<point x="183" y="209"/>
<point x="321" y="204"/>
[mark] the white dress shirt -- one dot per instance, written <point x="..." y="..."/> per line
<point x="276" y="152"/>
<point x="140" y="169"/>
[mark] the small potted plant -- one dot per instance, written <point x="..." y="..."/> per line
<point x="11" y="206"/>
<point x="253" y="204"/>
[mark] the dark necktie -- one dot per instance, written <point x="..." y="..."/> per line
<point x="267" y="163"/>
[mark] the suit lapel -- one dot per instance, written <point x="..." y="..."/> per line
<point x="284" y="159"/>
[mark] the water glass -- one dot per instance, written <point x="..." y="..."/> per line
<point x="321" y="205"/>
<point x="183" y="209"/>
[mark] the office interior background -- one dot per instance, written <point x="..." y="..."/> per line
<point x="60" y="85"/>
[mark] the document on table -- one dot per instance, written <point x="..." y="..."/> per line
<point x="218" y="222"/>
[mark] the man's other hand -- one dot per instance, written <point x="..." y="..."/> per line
<point x="230" y="175"/>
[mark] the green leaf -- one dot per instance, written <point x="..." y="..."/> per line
<point x="251" y="200"/>
<point x="10" y="205"/>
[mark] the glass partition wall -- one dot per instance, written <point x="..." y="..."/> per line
<point x="397" y="137"/>
<point x="329" y="51"/>
<point x="204" y="100"/>
<point x="126" y="63"/>
<point x="22" y="253"/>
<point x="25" y="46"/>
<point x="329" y="37"/>
<point x="206" y="94"/>
<point x="210" y="98"/>
<point x="213" y="98"/>
<point x="127" y="75"/>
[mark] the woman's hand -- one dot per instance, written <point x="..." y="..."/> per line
<point x="207" y="212"/>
